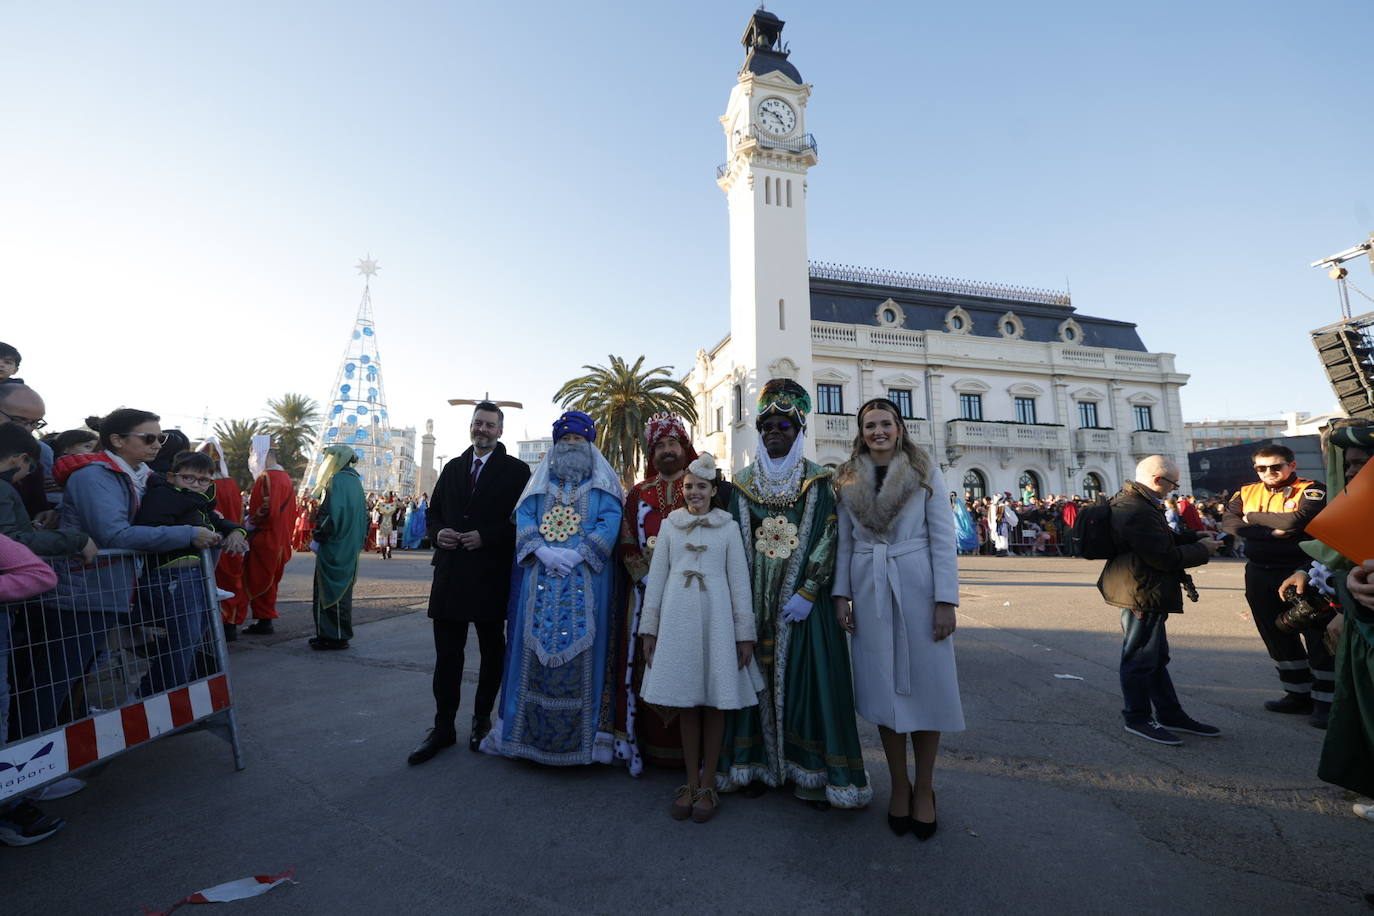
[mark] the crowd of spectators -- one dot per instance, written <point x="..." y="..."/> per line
<point x="122" y="486"/>
<point x="1044" y="525"/>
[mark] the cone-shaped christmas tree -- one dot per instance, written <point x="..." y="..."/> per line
<point x="355" y="410"/>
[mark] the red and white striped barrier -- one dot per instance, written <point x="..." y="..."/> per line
<point x="241" y="889"/>
<point x="28" y="764"/>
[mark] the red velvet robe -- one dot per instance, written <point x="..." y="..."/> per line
<point x="229" y="570"/>
<point x="658" y="739"/>
<point x="272" y="513"/>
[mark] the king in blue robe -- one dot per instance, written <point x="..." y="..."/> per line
<point x="555" y="697"/>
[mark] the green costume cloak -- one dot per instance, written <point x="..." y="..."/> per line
<point x="340" y="530"/>
<point x="1347" y="758"/>
<point x="804" y="728"/>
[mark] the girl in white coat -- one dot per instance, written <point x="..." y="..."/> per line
<point x="897" y="562"/>
<point x="697" y="627"/>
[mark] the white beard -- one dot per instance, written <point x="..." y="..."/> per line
<point x="570" y="462"/>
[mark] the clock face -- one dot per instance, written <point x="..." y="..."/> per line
<point x="777" y="117"/>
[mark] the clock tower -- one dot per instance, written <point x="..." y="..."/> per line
<point x="764" y="179"/>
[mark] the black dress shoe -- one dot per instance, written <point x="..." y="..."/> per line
<point x="434" y="742"/>
<point x="1299" y="704"/>
<point x="754" y="789"/>
<point x="319" y="642"/>
<point x="924" y="830"/>
<point x="480" y="726"/>
<point x="260" y="628"/>
<point x="900" y="825"/>
<point x="231" y="632"/>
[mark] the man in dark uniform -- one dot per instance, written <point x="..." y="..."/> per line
<point x="1272" y="516"/>
<point x="474" y="536"/>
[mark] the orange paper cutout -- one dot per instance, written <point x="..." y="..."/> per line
<point x="1347" y="523"/>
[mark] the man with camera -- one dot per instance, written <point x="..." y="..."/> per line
<point x="1272" y="515"/>
<point x="1145" y="579"/>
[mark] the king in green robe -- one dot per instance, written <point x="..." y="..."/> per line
<point x="1347" y="757"/>
<point x="340" y="530"/>
<point x="804" y="730"/>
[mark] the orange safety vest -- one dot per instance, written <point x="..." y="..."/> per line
<point x="1256" y="497"/>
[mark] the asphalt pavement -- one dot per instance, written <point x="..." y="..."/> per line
<point x="1046" y="805"/>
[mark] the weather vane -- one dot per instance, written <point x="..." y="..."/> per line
<point x="368" y="267"/>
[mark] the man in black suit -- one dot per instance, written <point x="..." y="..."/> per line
<point x="470" y="522"/>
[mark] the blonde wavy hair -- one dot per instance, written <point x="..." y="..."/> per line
<point x="919" y="458"/>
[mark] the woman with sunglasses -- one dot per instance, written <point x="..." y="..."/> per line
<point x="103" y="490"/>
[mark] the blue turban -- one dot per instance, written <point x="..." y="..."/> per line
<point x="574" y="421"/>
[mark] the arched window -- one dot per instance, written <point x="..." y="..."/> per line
<point x="975" y="484"/>
<point x="789" y="192"/>
<point x="736" y="404"/>
<point x="1092" y="485"/>
<point x="768" y="190"/>
<point x="1029" y="484"/>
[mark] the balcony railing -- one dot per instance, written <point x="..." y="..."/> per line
<point x="981" y="434"/>
<point x="823" y="270"/>
<point x="1092" y="440"/>
<point x="761" y="139"/>
<point x="842" y="428"/>
<point x="1148" y="442"/>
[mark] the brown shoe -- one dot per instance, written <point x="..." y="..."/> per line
<point x="705" y="802"/>
<point x="682" y="803"/>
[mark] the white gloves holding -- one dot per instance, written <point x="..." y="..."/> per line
<point x="559" y="561"/>
<point x="796" y="609"/>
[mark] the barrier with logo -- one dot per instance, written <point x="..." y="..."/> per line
<point x="125" y="650"/>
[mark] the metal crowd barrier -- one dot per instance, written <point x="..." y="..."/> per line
<point x="119" y="654"/>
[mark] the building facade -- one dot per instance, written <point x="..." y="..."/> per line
<point x="532" y="451"/>
<point x="403" y="466"/>
<point x="1008" y="388"/>
<point x="1208" y="434"/>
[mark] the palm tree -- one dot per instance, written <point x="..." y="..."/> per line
<point x="236" y="442"/>
<point x="621" y="399"/>
<point x="291" y="422"/>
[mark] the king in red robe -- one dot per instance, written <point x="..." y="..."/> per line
<point x="641" y="731"/>
<point x="272" y="518"/>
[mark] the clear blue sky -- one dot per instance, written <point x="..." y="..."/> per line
<point x="184" y="188"/>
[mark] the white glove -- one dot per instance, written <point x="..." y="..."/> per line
<point x="796" y="609"/>
<point x="570" y="557"/>
<point x="314" y="546"/>
<point x="553" y="560"/>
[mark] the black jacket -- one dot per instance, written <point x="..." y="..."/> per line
<point x="1145" y="573"/>
<point x="474" y="585"/>
<point x="164" y="504"/>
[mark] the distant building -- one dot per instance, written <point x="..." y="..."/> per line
<point x="403" y="465"/>
<point x="1208" y="434"/>
<point x="532" y="451"/>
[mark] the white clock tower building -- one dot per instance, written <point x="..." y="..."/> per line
<point x="764" y="180"/>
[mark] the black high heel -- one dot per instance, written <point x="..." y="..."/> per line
<point x="924" y="830"/>
<point x="900" y="824"/>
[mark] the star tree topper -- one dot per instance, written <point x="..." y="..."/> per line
<point x="368" y="267"/>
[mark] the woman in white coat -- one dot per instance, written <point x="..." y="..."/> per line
<point x="896" y="588"/>
<point x="698" y="631"/>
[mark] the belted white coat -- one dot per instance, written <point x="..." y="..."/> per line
<point x="698" y="602"/>
<point x="896" y="559"/>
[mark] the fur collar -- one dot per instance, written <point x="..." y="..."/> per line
<point x="875" y="510"/>
<point x="681" y="518"/>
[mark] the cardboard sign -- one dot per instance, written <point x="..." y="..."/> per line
<point x="1347" y="523"/>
